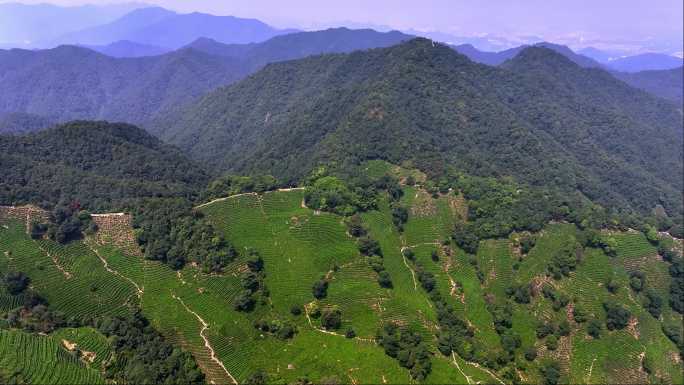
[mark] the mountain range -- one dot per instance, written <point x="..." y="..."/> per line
<point x="71" y="82"/>
<point x="163" y="28"/>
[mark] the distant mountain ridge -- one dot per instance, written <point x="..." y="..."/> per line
<point x="37" y="25"/>
<point x="163" y="28"/>
<point x="69" y="82"/>
<point x="646" y="62"/>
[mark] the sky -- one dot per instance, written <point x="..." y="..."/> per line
<point x="565" y="21"/>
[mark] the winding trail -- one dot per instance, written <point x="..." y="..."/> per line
<point x="59" y="267"/>
<point x="207" y="344"/>
<point x="140" y="291"/>
<point x="453" y="356"/>
<point x="413" y="273"/>
<point x="245" y="194"/>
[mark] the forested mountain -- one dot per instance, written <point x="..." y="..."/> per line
<point x="645" y="62"/>
<point x="100" y="165"/>
<point x="70" y="82"/>
<point x="668" y="84"/>
<point x="163" y="28"/>
<point x="540" y="119"/>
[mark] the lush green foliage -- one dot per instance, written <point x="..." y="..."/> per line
<point x="96" y="165"/>
<point x="169" y="230"/>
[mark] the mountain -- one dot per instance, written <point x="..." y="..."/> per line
<point x="599" y="55"/>
<point x="540" y="119"/>
<point x="20" y="123"/>
<point x="101" y="165"/>
<point x="117" y="30"/>
<point x="302" y="44"/>
<point x="125" y="48"/>
<point x="645" y="62"/>
<point x="163" y="28"/>
<point x="70" y="82"/>
<point x="36" y="25"/>
<point x="486" y="57"/>
<point x="668" y="84"/>
<point x="497" y="58"/>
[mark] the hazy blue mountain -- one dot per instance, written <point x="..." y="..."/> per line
<point x="486" y="57"/>
<point x="36" y="26"/>
<point x="163" y="28"/>
<point x="301" y="44"/>
<point x="599" y="55"/>
<point x="21" y="123"/>
<point x="71" y="82"/>
<point x="668" y="84"/>
<point x="125" y="48"/>
<point x="497" y="58"/>
<point x="646" y="62"/>
<point x="117" y="30"/>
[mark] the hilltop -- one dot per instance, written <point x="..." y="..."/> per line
<point x="540" y="119"/>
<point x="101" y="166"/>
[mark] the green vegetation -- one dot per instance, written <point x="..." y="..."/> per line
<point x="97" y="165"/>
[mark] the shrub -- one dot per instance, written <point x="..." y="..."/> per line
<point x="350" y="333"/>
<point x="531" y="353"/>
<point x="331" y="318"/>
<point x="320" y="289"/>
<point x="16" y="282"/>
<point x="617" y="317"/>
<point x="594" y="328"/>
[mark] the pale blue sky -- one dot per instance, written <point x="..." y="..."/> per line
<point x="558" y="20"/>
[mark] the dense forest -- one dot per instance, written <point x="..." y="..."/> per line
<point x="100" y="166"/>
<point x="417" y="102"/>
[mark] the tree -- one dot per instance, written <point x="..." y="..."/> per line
<point x="350" y="333"/>
<point x="369" y="246"/>
<point x="355" y="226"/>
<point x="331" y="318"/>
<point x="399" y="217"/>
<point x="552" y="342"/>
<point x="551" y="373"/>
<point x="384" y="279"/>
<point x="579" y="314"/>
<point x="531" y="353"/>
<point x="16" y="282"/>
<point x="259" y="377"/>
<point x="594" y="328"/>
<point x="653" y="303"/>
<point x="617" y="317"/>
<point x="434" y="256"/>
<point x="636" y="281"/>
<point x="564" y="328"/>
<point x="320" y="289"/>
<point x="296" y="310"/>
<point x="244" y="301"/>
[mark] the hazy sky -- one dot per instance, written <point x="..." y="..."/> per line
<point x="550" y="19"/>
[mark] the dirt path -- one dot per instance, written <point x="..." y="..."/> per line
<point x="306" y="313"/>
<point x="59" y="267"/>
<point x="207" y="344"/>
<point x="413" y="273"/>
<point x="245" y="194"/>
<point x="591" y="368"/>
<point x="140" y="291"/>
<point x="453" y="356"/>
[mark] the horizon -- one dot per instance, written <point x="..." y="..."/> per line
<point x="636" y="27"/>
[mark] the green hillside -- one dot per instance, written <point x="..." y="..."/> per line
<point x="503" y="293"/>
<point x="539" y="119"/>
<point x="101" y="166"/>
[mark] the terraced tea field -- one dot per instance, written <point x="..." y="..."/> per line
<point x="104" y="275"/>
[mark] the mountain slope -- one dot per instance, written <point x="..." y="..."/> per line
<point x="101" y="165"/>
<point x="668" y="84"/>
<point x="70" y="82"/>
<point x="645" y="62"/>
<point x="541" y="119"/>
